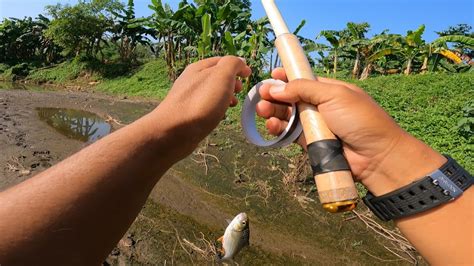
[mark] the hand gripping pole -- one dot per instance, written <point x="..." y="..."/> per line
<point x="331" y="171"/>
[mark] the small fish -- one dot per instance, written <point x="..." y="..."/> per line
<point x="236" y="236"/>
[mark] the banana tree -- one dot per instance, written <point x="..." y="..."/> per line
<point x="129" y="31"/>
<point x="337" y="42"/>
<point x="23" y="40"/>
<point x="205" y="44"/>
<point x="439" y="49"/>
<point x="412" y="45"/>
<point x="375" y="49"/>
<point x="175" y="32"/>
<point x="319" y="48"/>
<point x="253" y="44"/>
<point x="357" y="41"/>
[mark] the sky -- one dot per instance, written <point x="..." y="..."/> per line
<point x="396" y="15"/>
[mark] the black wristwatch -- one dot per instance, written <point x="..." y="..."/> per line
<point x="443" y="185"/>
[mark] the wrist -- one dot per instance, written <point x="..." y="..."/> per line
<point x="409" y="160"/>
<point x="170" y="137"/>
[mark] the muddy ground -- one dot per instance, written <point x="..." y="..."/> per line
<point x="187" y="210"/>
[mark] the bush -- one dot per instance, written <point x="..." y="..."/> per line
<point x="15" y="72"/>
<point x="21" y="70"/>
<point x="3" y="68"/>
<point x="466" y="123"/>
<point x="430" y="107"/>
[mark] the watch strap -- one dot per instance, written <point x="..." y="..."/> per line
<point x="443" y="185"/>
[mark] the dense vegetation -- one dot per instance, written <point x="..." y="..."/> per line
<point x="104" y="33"/>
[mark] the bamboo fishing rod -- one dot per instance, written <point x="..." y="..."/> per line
<point x="331" y="171"/>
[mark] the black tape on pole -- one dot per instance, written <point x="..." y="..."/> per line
<point x="327" y="156"/>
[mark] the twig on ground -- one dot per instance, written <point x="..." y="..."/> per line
<point x="399" y="242"/>
<point x="201" y="151"/>
<point x="380" y="259"/>
<point x="205" y="249"/>
<point x="178" y="237"/>
<point x="14" y="165"/>
<point x="109" y="119"/>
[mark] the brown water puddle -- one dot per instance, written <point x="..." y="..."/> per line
<point x="75" y="124"/>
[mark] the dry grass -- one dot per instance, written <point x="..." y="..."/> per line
<point x="399" y="245"/>
<point x="200" y="155"/>
<point x="298" y="171"/>
<point x="203" y="247"/>
<point x="15" y="165"/>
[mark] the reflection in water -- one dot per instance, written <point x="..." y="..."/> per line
<point x="75" y="124"/>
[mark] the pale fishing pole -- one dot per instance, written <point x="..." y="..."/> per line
<point x="336" y="188"/>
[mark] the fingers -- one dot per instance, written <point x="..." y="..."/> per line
<point x="234" y="65"/>
<point x="204" y="64"/>
<point x="279" y="73"/>
<point x="267" y="109"/>
<point x="238" y="86"/>
<point x="233" y="101"/>
<point x="310" y="91"/>
<point x="275" y="126"/>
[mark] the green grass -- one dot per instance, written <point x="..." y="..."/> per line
<point x="429" y="107"/>
<point x="150" y="80"/>
<point x="64" y="72"/>
<point x="3" y="68"/>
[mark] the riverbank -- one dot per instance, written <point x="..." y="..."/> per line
<point x="149" y="80"/>
<point x="434" y="107"/>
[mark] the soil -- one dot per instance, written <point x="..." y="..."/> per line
<point x="192" y="201"/>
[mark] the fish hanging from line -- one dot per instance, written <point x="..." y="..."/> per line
<point x="236" y="236"/>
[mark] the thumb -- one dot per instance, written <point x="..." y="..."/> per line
<point x="309" y="91"/>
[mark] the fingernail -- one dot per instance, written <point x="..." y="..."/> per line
<point x="277" y="88"/>
<point x="243" y="60"/>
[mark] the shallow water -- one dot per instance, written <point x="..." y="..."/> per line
<point x="75" y="124"/>
<point x="19" y="86"/>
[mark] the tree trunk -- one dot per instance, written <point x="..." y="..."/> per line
<point x="408" y="69"/>
<point x="424" y="67"/>
<point x="271" y="61"/>
<point x="355" y="70"/>
<point x="335" y="63"/>
<point x="366" y="72"/>
<point x="276" y="60"/>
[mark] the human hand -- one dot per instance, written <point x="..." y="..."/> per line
<point x="373" y="143"/>
<point x="199" y="98"/>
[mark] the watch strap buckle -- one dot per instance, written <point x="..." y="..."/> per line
<point x="448" y="186"/>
